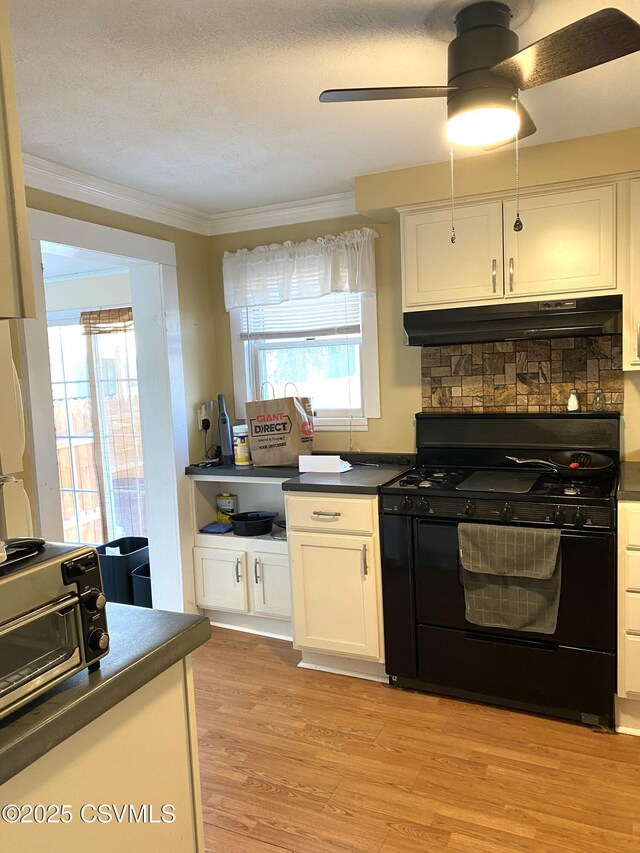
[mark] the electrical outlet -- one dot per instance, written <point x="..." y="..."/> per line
<point x="205" y="411"/>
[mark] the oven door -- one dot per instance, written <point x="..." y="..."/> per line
<point x="38" y="650"/>
<point x="587" y="611"/>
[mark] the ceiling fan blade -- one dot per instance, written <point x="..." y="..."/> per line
<point x="594" y="40"/>
<point x="334" y="96"/>
<point x="527" y="128"/>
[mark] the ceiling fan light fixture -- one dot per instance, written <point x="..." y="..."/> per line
<point x="483" y="126"/>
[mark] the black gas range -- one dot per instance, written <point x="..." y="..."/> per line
<point x="462" y="476"/>
<point x="507" y="494"/>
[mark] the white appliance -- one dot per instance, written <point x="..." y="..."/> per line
<point x="15" y="510"/>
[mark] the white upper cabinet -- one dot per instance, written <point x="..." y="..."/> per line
<point x="567" y="244"/>
<point x="16" y="290"/>
<point x="631" y="314"/>
<point x="437" y="271"/>
<point x="567" y="248"/>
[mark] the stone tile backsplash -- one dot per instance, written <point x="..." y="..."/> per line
<point x="522" y="376"/>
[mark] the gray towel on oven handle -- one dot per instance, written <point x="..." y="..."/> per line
<point x="511" y="576"/>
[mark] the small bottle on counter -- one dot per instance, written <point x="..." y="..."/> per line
<point x="598" y="404"/>
<point x="573" y="404"/>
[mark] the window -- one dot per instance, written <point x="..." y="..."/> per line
<point x="326" y="347"/>
<point x="97" y="424"/>
<point x="303" y="320"/>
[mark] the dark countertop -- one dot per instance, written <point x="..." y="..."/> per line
<point x="629" y="481"/>
<point x="359" y="480"/>
<point x="144" y="643"/>
<point x="220" y="471"/>
<point x="369" y="472"/>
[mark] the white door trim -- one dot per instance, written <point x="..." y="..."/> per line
<point x="162" y="405"/>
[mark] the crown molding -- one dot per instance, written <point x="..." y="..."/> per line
<point x="61" y="180"/>
<point x="287" y="213"/>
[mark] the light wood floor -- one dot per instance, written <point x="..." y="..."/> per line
<point x="296" y="760"/>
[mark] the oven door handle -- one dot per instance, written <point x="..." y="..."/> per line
<point x="509" y="641"/>
<point x="47" y="610"/>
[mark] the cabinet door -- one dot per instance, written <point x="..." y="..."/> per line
<point x="437" y="271"/>
<point x="631" y="299"/>
<point x="271" y="586"/>
<point x="12" y="434"/>
<point x="567" y="244"/>
<point x="16" y="291"/>
<point x="334" y="591"/>
<point x="221" y="579"/>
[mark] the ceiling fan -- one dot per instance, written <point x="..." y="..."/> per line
<point x="487" y="71"/>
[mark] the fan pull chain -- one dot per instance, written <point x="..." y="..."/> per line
<point x="453" y="212"/>
<point x="517" y="225"/>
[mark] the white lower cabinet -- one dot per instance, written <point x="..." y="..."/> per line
<point x="629" y="604"/>
<point x="334" y="584"/>
<point x="270" y="586"/>
<point x="334" y="556"/>
<point x="247" y="581"/>
<point x="221" y="579"/>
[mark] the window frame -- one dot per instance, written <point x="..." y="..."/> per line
<point x="243" y="380"/>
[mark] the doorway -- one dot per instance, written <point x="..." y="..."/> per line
<point x="96" y="406"/>
<point x="146" y="485"/>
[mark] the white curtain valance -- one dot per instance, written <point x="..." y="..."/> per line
<point x="269" y="275"/>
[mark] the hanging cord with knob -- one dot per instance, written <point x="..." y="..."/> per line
<point x="517" y="225"/>
<point x="453" y="224"/>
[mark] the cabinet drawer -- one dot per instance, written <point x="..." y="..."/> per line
<point x="630" y="518"/>
<point x="328" y="513"/>
<point x="632" y="663"/>
<point x="632" y="570"/>
<point x="632" y="612"/>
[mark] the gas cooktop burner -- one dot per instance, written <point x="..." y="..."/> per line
<point x="573" y="490"/>
<point x="429" y="478"/>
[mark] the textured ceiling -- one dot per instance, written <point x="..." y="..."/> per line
<point x="214" y="103"/>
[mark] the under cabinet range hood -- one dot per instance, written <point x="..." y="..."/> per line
<point x="548" y="318"/>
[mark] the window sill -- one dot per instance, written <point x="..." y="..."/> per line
<point x="340" y="424"/>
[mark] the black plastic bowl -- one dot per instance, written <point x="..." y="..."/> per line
<point x="252" y="523"/>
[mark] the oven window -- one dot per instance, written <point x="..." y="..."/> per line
<point x="33" y="653"/>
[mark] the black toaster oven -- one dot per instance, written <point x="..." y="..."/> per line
<point x="52" y="618"/>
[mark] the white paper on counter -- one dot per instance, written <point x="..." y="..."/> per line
<point x="323" y="464"/>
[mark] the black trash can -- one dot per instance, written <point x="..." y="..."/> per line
<point x="116" y="569"/>
<point x="141" y="579"/>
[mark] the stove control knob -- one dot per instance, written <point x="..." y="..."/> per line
<point x="557" y="516"/>
<point x="423" y="505"/>
<point x="580" y="518"/>
<point x="407" y="503"/>
<point x="469" y="509"/>
<point x="95" y="600"/>
<point x="98" y="640"/>
<point x="506" y="513"/>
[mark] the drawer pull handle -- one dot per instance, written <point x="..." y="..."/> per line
<point x="638" y="341"/>
<point x="236" y="569"/>
<point x="256" y="576"/>
<point x="320" y="514"/>
<point x="494" y="275"/>
<point x="365" y="567"/>
<point x="510" y="275"/>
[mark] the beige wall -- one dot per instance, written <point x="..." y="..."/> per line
<point x="377" y="195"/>
<point x="399" y="365"/>
<point x="573" y="159"/>
<point x="194" y="294"/>
<point x="205" y="324"/>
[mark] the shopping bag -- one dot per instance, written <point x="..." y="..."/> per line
<point x="280" y="430"/>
